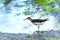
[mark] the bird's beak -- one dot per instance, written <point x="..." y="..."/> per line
<point x="47" y="19"/>
<point x="24" y="19"/>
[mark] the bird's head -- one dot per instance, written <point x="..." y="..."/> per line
<point x="29" y="18"/>
<point x="46" y="19"/>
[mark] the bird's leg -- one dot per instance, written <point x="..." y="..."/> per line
<point x="38" y="32"/>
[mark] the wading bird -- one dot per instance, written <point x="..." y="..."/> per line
<point x="37" y="22"/>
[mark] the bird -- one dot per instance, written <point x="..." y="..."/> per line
<point x="37" y="20"/>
